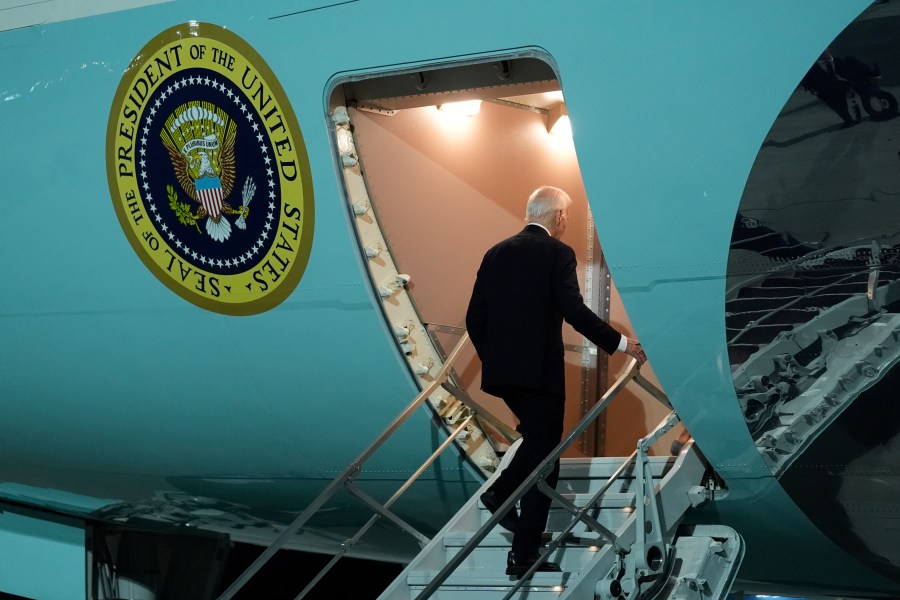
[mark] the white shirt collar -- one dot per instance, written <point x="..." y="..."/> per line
<point x="541" y="226"/>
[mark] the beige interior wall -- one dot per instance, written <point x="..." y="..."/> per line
<point x="447" y="187"/>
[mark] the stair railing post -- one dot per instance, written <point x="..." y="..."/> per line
<point x="650" y="549"/>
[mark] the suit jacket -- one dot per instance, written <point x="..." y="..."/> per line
<point x="525" y="287"/>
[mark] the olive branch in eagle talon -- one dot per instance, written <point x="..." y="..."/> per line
<point x="182" y="209"/>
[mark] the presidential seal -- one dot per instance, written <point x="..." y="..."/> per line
<point x="208" y="171"/>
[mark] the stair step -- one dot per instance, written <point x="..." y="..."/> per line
<point x="559" y="519"/>
<point x="609" y="500"/>
<point x="466" y="581"/>
<point x="614" y="511"/>
<point x="495" y="539"/>
<point x="581" y="472"/>
<point x="503" y="539"/>
<point x="492" y="558"/>
<point x="584" y="557"/>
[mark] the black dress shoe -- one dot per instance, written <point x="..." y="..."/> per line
<point x="516" y="565"/>
<point x="492" y="502"/>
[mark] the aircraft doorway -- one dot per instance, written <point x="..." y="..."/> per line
<point x="442" y="186"/>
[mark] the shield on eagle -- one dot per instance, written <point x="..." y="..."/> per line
<point x="199" y="138"/>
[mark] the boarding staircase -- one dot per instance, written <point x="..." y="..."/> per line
<point x="615" y="525"/>
<point x="699" y="561"/>
<point x="594" y="533"/>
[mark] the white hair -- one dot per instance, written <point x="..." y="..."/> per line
<point x="543" y="204"/>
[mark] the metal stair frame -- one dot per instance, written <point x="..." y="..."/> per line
<point x="648" y="552"/>
<point x="632" y="373"/>
<point x="346" y="478"/>
<point x="671" y="506"/>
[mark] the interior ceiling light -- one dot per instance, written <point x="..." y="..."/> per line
<point x="464" y="107"/>
<point x="558" y="120"/>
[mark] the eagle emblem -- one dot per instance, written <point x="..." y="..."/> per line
<point x="200" y="138"/>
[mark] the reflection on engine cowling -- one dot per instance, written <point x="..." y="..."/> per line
<point x="813" y="301"/>
<point x="808" y="338"/>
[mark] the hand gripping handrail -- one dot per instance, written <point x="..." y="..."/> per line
<point x="345" y="479"/>
<point x="632" y="372"/>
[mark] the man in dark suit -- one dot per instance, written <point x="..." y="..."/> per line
<point x="525" y="287"/>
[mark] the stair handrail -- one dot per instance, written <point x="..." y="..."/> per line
<point x="346" y="477"/>
<point x="632" y="372"/>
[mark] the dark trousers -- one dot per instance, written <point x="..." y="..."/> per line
<point x="541" y="425"/>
